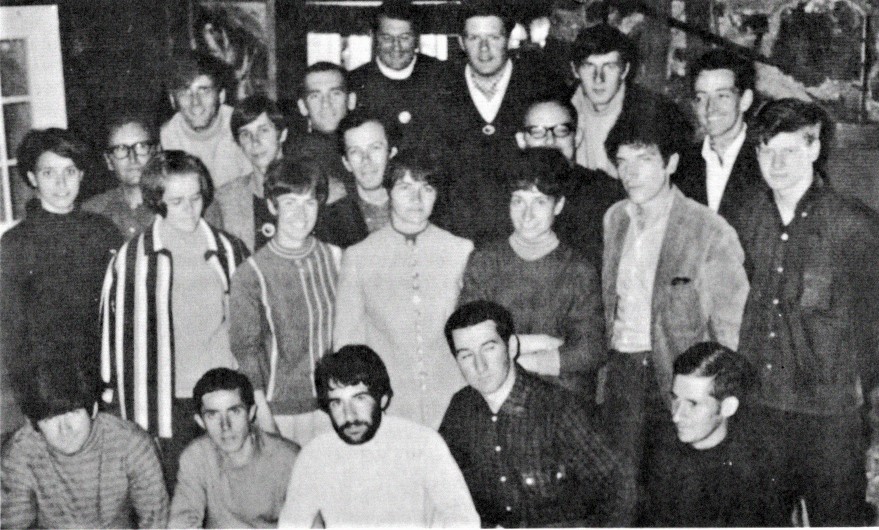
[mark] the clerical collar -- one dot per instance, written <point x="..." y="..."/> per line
<point x="397" y="75"/>
<point x="410" y="238"/>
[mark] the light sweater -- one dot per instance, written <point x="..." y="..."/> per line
<point x="405" y="477"/>
<point x="114" y="481"/>
<point x="597" y="124"/>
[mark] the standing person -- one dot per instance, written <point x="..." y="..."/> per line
<point x="810" y="325"/>
<point x="400" y="84"/>
<point x="722" y="170"/>
<point x="552" y="292"/>
<point x="52" y="263"/>
<point x="201" y="125"/>
<point x="376" y="469"/>
<point x="396" y="289"/>
<point x="165" y="305"/>
<point x="131" y="143"/>
<point x="71" y="466"/>
<point x="282" y="305"/>
<point x="235" y="475"/>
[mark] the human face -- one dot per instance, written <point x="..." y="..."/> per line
<point x="482" y="356"/>
<point x="57" y="180"/>
<point x="787" y="162"/>
<point x="296" y="214"/>
<point x="367" y="153"/>
<point x="395" y="43"/>
<point x="261" y="141"/>
<point x="699" y="417"/>
<point x="643" y="172"/>
<point x="533" y="213"/>
<point x="226" y="419"/>
<point x="411" y="203"/>
<point x="485" y="43"/>
<point x="67" y="433"/>
<point x="326" y="101"/>
<point x="129" y="168"/>
<point x="355" y="413"/>
<point x="601" y="77"/>
<point x="719" y="104"/>
<point x="550" y="120"/>
<point x="199" y="103"/>
<point x="184" y="201"/>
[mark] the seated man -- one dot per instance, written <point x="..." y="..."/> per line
<point x="525" y="446"/>
<point x="375" y="469"/>
<point x="235" y="476"/>
<point x="71" y="466"/>
<point x="715" y="473"/>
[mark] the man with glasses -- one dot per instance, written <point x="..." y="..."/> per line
<point x="400" y="84"/>
<point x="605" y="61"/>
<point x="201" y="125"/>
<point x="553" y="123"/>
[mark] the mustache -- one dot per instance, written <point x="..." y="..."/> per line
<point x="355" y="423"/>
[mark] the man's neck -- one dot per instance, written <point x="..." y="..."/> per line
<point x="407" y="228"/>
<point x="378" y="196"/>
<point x="497" y="398"/>
<point x="721" y="144"/>
<point x="786" y="200"/>
<point x="712" y="440"/>
<point x="133" y="195"/>
<point x="242" y="456"/>
<point x="616" y="100"/>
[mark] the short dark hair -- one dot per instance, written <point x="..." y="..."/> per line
<point x="171" y="163"/>
<point x="649" y="130"/>
<point x="477" y="312"/>
<point x="358" y="117"/>
<point x="59" y="141"/>
<point x="398" y="10"/>
<point x="323" y="66"/>
<point x="790" y="115"/>
<point x="251" y="108"/>
<point x="223" y="379"/>
<point x="602" y="39"/>
<point x="543" y="168"/>
<point x="742" y="68"/>
<point x="296" y="175"/>
<point x="414" y="163"/>
<point x="732" y="373"/>
<point x="54" y="388"/>
<point x="126" y="117"/>
<point x="350" y="366"/>
<point x="186" y="67"/>
<point x="488" y="8"/>
<point x="561" y="102"/>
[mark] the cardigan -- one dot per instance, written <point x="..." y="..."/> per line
<point x="137" y="347"/>
<point x="395" y="297"/>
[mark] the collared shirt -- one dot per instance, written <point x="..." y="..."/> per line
<point x="390" y="73"/>
<point x="537" y="461"/>
<point x="113" y="205"/>
<point x="497" y="398"/>
<point x="591" y="153"/>
<point x="489" y="107"/>
<point x="637" y="272"/>
<point x="718" y="167"/>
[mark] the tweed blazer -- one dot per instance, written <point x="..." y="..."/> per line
<point x="700" y="288"/>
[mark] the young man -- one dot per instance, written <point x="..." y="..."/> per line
<point x="367" y="144"/>
<point x="201" y="125"/>
<point x="715" y="473"/>
<point x="810" y="326"/>
<point x="526" y="448"/>
<point x="722" y="171"/>
<point x="400" y="84"/>
<point x="71" y="466"/>
<point x="673" y="276"/>
<point x="605" y="61"/>
<point x="236" y="475"/>
<point x="553" y="123"/>
<point x="283" y="301"/>
<point x="375" y="469"/>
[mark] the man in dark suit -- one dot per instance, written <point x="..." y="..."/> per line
<point x="722" y="170"/>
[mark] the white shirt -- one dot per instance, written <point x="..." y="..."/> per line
<point x="405" y="477"/>
<point x="488" y="108"/>
<point x="718" y="167"/>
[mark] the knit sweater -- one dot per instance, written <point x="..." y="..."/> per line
<point x="282" y="320"/>
<point x="114" y="481"/>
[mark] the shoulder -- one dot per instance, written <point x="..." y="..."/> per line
<point x="280" y="447"/>
<point x="124" y="431"/>
<point x="227" y="238"/>
<point x="24" y="445"/>
<point x="99" y="203"/>
<point x="449" y="239"/>
<point x="461" y="404"/>
<point x="418" y="437"/>
<point x="96" y="221"/>
<point x="849" y="213"/>
<point x="234" y="188"/>
<point x="198" y="454"/>
<point x="615" y="213"/>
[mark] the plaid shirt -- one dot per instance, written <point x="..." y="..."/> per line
<point x="537" y="462"/>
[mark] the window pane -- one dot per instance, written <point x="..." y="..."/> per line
<point x="21" y="193"/>
<point x="17" y="120"/>
<point x="13" y="68"/>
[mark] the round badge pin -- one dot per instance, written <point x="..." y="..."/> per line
<point x="268" y="230"/>
<point x="488" y="130"/>
<point x="404" y="117"/>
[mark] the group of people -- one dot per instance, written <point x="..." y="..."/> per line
<point x="460" y="298"/>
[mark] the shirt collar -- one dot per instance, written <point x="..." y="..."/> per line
<point x="732" y="150"/>
<point x="497" y="398"/>
<point x="398" y="75"/>
<point x="502" y="83"/>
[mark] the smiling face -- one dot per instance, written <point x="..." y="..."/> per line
<point x="129" y="168"/>
<point x="533" y="213"/>
<point x="719" y="104"/>
<point x="297" y="214"/>
<point x="545" y="126"/>
<point x="325" y="101"/>
<point x="355" y="413"/>
<point x="367" y="152"/>
<point x="67" y="433"/>
<point x="261" y="141"/>
<point x="699" y="417"/>
<point x="643" y="172"/>
<point x="396" y="43"/>
<point x="411" y="203"/>
<point x="226" y="419"/>
<point x="787" y="162"/>
<point x="482" y="356"/>
<point x="184" y="201"/>
<point x="485" y="43"/>
<point x="601" y="77"/>
<point x="199" y="103"/>
<point x="56" y="179"/>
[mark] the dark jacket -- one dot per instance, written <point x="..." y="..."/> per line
<point x="341" y="223"/>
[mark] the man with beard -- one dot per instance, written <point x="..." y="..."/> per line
<point x="376" y="470"/>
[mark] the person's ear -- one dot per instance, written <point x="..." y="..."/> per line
<point x="393" y="153"/>
<point x="574" y="70"/>
<point x="222" y="96"/>
<point x="302" y="108"/>
<point x="729" y="406"/>
<point x="252" y="414"/>
<point x="32" y="179"/>
<point x="579" y="136"/>
<point x="461" y="44"/>
<point x="95" y="410"/>
<point x="272" y="209"/>
<point x="283" y="136"/>
<point x="199" y="421"/>
<point x="520" y="140"/>
<point x="173" y="101"/>
<point x="626" y="71"/>
<point x="384" y="402"/>
<point x="672" y="165"/>
<point x="746" y="100"/>
<point x="352" y="100"/>
<point x="108" y="161"/>
<point x="814" y="150"/>
<point x="559" y="205"/>
<point x="513" y="347"/>
<point x="347" y="164"/>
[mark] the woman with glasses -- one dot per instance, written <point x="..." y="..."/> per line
<point x="53" y="261"/>
<point x="165" y="304"/>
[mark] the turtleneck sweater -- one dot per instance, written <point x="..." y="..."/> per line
<point x="533" y="250"/>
